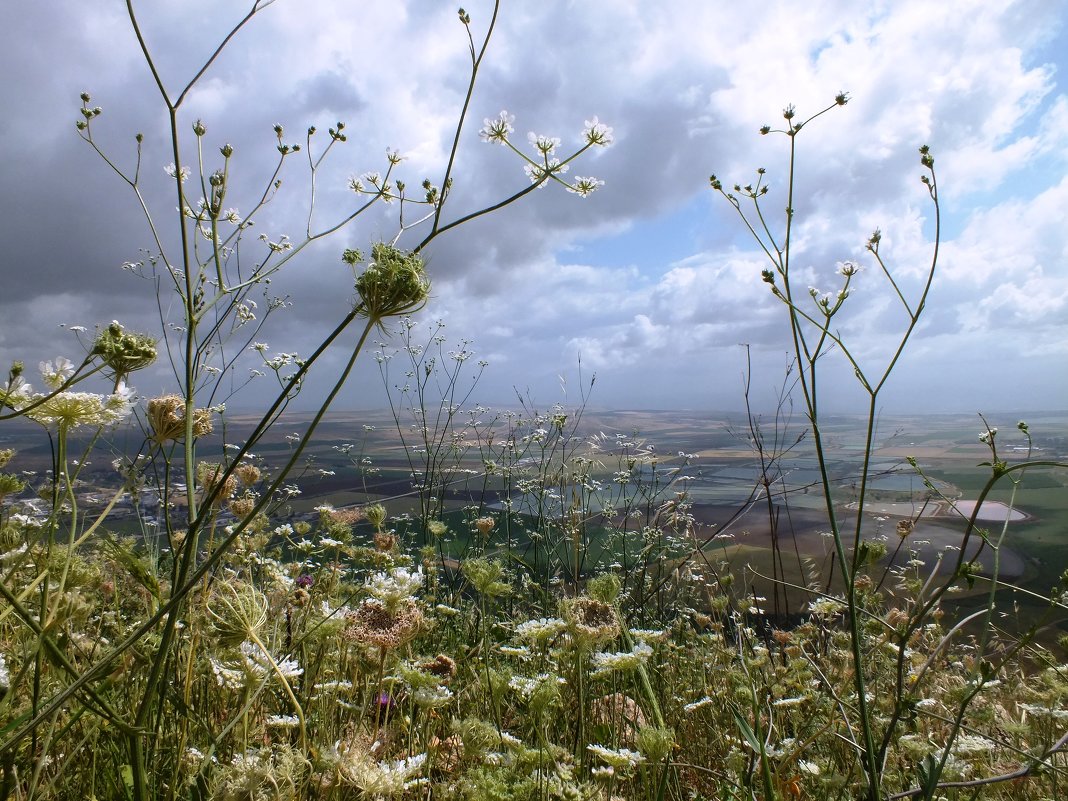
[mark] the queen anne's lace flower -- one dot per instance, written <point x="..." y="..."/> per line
<point x="70" y="410"/>
<point x="540" y="630"/>
<point x="618" y="758"/>
<point x="606" y="662"/>
<point x="385" y="779"/>
<point x="251" y="667"/>
<point x="396" y="587"/>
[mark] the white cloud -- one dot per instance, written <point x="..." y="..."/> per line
<point x="684" y="85"/>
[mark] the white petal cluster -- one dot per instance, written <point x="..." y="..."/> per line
<point x="251" y="667"/>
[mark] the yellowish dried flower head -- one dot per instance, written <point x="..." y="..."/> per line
<point x="247" y="473"/>
<point x="166" y="416"/>
<point x="243" y="505"/>
<point x="208" y="476"/>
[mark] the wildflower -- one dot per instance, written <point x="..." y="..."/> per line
<point x="432" y="697"/>
<point x="655" y="742"/>
<point x="242" y="507"/>
<point x="605" y="662"/>
<point x="166" y="417"/>
<point x="373" y="623"/>
<point x="485" y="525"/>
<point x="496" y="129"/>
<point x="394" y="283"/>
<point x="247" y="474"/>
<point x="584" y="187"/>
<point x="825" y="607"/>
<point x="545" y="145"/>
<point x="442" y="666"/>
<point x="56" y="374"/>
<point x="396" y="587"/>
<point x="283" y="721"/>
<point x="591" y="620"/>
<point x="485" y="576"/>
<point x="262" y="773"/>
<point x="334" y="685"/>
<point x="597" y="133"/>
<point x="122" y="351"/>
<point x="281" y="246"/>
<point x="210" y="476"/>
<point x="540" y="630"/>
<point x="251" y="667"/>
<point x="537" y="173"/>
<point x="357" y="767"/>
<point x="70" y="410"/>
<point x="619" y="758"/>
<point x="527" y="686"/>
<point x="182" y="174"/>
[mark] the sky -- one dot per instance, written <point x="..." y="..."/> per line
<point x="652" y="283"/>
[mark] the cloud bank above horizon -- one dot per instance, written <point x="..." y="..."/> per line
<point x="651" y="282"/>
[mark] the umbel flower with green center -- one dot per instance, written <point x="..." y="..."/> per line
<point x="394" y="282"/>
<point x="124" y="351"/>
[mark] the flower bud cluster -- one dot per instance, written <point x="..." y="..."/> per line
<point x="123" y="351"/>
<point x="394" y="283"/>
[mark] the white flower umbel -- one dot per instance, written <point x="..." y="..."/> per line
<point x="395" y="587"/>
<point x="605" y="662"/>
<point x="251" y="667"/>
<point x="386" y="779"/>
<point x="55" y="373"/>
<point x="70" y="410"/>
<point x="597" y="133"/>
<point x="497" y="129"/>
<point x="540" y="630"/>
<point x="622" y="759"/>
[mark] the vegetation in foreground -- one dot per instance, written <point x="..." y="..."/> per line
<point x="234" y="656"/>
